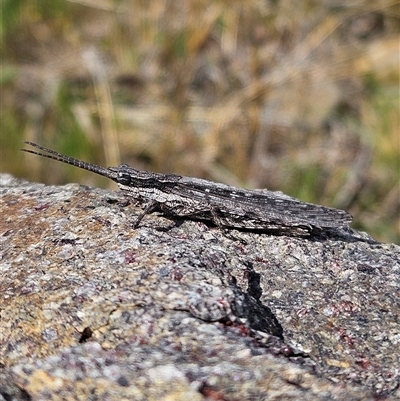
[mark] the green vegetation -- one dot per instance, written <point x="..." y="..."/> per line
<point x="301" y="97"/>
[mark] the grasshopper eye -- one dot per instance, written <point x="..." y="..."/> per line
<point x="124" y="178"/>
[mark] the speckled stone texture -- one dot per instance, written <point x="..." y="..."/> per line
<point x="92" y="309"/>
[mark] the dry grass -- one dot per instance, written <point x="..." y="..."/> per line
<point x="301" y="97"/>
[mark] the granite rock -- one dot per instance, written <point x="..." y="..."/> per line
<point x="176" y="310"/>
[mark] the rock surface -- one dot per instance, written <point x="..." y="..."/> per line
<point x="178" y="310"/>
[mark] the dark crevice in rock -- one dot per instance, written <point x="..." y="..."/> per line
<point x="259" y="316"/>
<point x="86" y="334"/>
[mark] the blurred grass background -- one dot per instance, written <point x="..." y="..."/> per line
<point x="301" y="97"/>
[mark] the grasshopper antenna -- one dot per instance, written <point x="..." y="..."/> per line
<point x="52" y="154"/>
